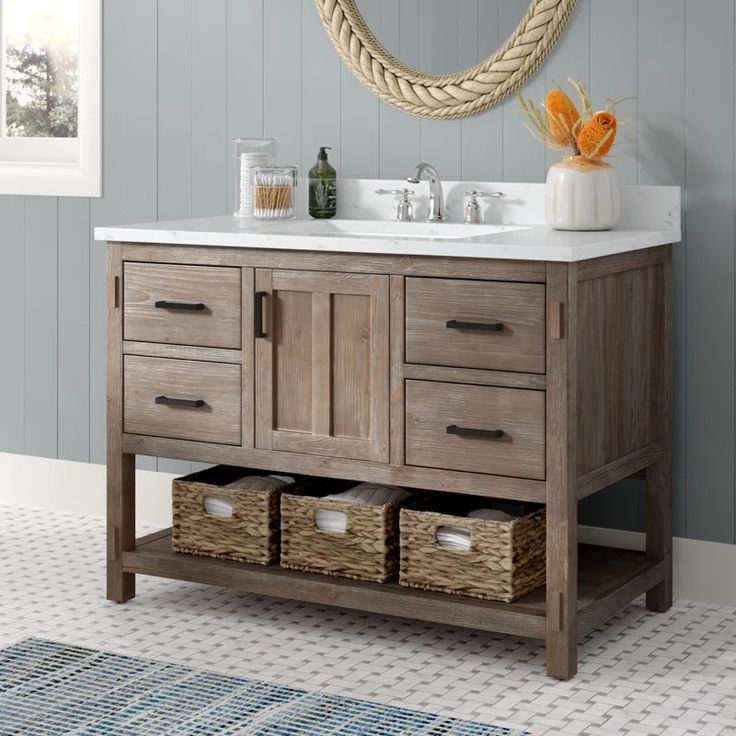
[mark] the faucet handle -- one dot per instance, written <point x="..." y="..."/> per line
<point x="475" y="193"/>
<point x="404" y="208"/>
<point x="400" y="192"/>
<point x="472" y="210"/>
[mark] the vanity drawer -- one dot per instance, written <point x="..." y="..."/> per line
<point x="182" y="399"/>
<point x="480" y="429"/>
<point x="182" y="305"/>
<point x="494" y="325"/>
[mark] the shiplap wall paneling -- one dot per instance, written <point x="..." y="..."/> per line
<point x="709" y="116"/>
<point x="570" y="59"/>
<point x="209" y="108"/>
<point x="400" y="147"/>
<point x="12" y="325"/>
<point x="174" y="126"/>
<point x="661" y="161"/>
<point x="613" y="74"/>
<point x="523" y="158"/>
<point x="320" y="125"/>
<point x="244" y="78"/>
<point x="282" y="77"/>
<point x="359" y="118"/>
<point x="41" y="333"/>
<point x="481" y="135"/>
<point x="439" y="53"/>
<point x="73" y="377"/>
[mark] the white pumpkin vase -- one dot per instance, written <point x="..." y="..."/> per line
<point x="582" y="194"/>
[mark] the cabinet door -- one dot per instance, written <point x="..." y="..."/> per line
<point x="322" y="364"/>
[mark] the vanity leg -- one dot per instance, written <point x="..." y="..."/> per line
<point x="120" y="465"/>
<point x="562" y="503"/>
<point x="120" y="524"/>
<point x="659" y="530"/>
<point x="659" y="475"/>
<point x="562" y="588"/>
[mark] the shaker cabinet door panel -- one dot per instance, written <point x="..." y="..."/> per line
<point x="322" y="363"/>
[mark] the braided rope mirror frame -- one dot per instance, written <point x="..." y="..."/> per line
<point x="445" y="95"/>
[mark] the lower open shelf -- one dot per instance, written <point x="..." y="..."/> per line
<point x="607" y="580"/>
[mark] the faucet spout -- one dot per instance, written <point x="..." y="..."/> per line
<point x="436" y="193"/>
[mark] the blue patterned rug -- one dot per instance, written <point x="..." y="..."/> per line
<point x="48" y="689"/>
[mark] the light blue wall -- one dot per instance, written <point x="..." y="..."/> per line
<point x="182" y="76"/>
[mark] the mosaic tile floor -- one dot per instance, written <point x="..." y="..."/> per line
<point x="670" y="674"/>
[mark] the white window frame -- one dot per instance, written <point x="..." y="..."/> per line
<point x="63" y="167"/>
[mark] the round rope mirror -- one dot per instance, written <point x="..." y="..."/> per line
<point x="446" y="95"/>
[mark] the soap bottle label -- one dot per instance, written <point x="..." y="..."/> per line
<point x="322" y="197"/>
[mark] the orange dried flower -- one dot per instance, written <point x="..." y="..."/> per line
<point x="597" y="135"/>
<point x="562" y="117"/>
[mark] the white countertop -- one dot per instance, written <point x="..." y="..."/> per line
<point x="527" y="243"/>
<point x="650" y="216"/>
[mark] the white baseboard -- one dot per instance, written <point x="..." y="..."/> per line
<point x="703" y="571"/>
<point x="64" y="485"/>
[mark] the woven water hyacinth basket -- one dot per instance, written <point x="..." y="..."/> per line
<point x="251" y="534"/>
<point x="506" y="559"/>
<point x="367" y="550"/>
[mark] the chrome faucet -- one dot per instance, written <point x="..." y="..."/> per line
<point x="436" y="195"/>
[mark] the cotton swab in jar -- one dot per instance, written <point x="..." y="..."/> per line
<point x="274" y="193"/>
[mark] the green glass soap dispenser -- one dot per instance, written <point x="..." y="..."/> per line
<point x="322" y="187"/>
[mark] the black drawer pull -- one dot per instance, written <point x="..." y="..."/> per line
<point x="258" y="313"/>
<point x="488" y="434"/>
<point x="453" y="324"/>
<point x="181" y="403"/>
<point x="183" y="306"/>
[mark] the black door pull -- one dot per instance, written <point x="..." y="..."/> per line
<point x="488" y="434"/>
<point x="183" y="306"/>
<point x="181" y="403"/>
<point x="258" y="313"/>
<point x="454" y="324"/>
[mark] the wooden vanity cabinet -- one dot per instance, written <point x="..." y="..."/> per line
<point x="539" y="382"/>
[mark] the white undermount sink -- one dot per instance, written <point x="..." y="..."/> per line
<point x="384" y="229"/>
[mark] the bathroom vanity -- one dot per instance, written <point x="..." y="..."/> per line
<point x="509" y="361"/>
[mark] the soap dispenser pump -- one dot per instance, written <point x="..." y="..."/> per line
<point x="322" y="187"/>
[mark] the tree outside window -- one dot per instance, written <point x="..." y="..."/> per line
<point x="41" y="69"/>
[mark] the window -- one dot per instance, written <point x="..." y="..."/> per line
<point x="50" y="129"/>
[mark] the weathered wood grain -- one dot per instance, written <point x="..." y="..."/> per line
<point x="326" y="359"/>
<point x="120" y="464"/>
<point x="659" y="476"/>
<point x="216" y="325"/>
<point x="478" y="484"/>
<point x="465" y="268"/>
<point x="432" y="407"/>
<point x="217" y="385"/>
<point x="477" y="377"/>
<point x="518" y="308"/>
<point x="562" y="502"/>
<point x="620" y="367"/>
